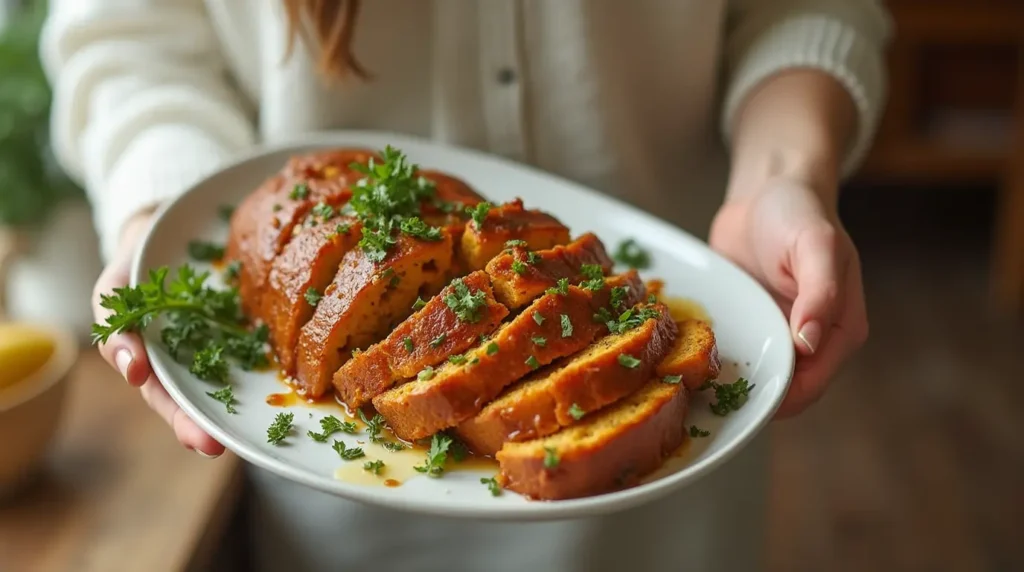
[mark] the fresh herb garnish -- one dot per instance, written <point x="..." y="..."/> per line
<point x="313" y="297"/>
<point x="550" y="458"/>
<point x="698" y="432"/>
<point x="561" y="287"/>
<point x="323" y="210"/>
<point x="276" y="207"/>
<point x="204" y="251"/>
<point x="374" y="426"/>
<point x="436" y="342"/>
<point x="537" y="317"/>
<point x="632" y="318"/>
<point x="566" y="326"/>
<point x="457" y="359"/>
<point x="492" y="485"/>
<point x="618" y="297"/>
<point x="672" y="379"/>
<point x="329" y="426"/>
<point x="233" y="269"/>
<point x="209" y="364"/>
<point x="594" y="275"/>
<point x="465" y="304"/>
<point x="299" y="192"/>
<point x="392" y="446"/>
<point x="437" y="456"/>
<point x="418" y="304"/>
<point x="628" y="361"/>
<point x="479" y="213"/>
<point x="519" y="267"/>
<point x="532" y="362"/>
<point x="407" y="344"/>
<point x="416" y="228"/>
<point x="540" y="341"/>
<point x="516" y="242"/>
<point x="729" y="397"/>
<point x="348" y="453"/>
<point x="426" y="374"/>
<point x="280" y="428"/>
<point x="225" y="212"/>
<point x="375" y="467"/>
<point x="225" y="396"/>
<point x="492" y="348"/>
<point x="532" y="257"/>
<point x="630" y="253"/>
<point x="576" y="412"/>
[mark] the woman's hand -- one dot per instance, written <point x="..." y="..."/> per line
<point x="126" y="354"/>
<point x="788" y="239"/>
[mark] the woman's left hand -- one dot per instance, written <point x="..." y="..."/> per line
<point x="791" y="242"/>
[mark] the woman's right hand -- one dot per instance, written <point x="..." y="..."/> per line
<point x="125" y="352"/>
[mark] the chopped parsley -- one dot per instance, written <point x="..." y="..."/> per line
<point x="233" y="269"/>
<point x="426" y="374"/>
<point x="374" y="426"/>
<point x="594" y="275"/>
<point x="628" y="361"/>
<point x="631" y="254"/>
<point x="407" y="344"/>
<point x="299" y="192"/>
<point x="551" y="459"/>
<point x="479" y="213"/>
<point x="416" y="228"/>
<point x="437" y="456"/>
<point x="698" y="432"/>
<point x="418" y="304"/>
<point x="276" y="208"/>
<point x="225" y="212"/>
<point x="516" y="242"/>
<point x="729" y="397"/>
<point x="632" y="318"/>
<point x="492" y="485"/>
<point x="225" y="396"/>
<point x="540" y="341"/>
<point x="672" y="379"/>
<point x="457" y="359"/>
<point x="392" y="446"/>
<point x="562" y="287"/>
<point x="436" y="342"/>
<point x="323" y="210"/>
<point x="519" y="267"/>
<point x="313" y="297"/>
<point x="375" y="467"/>
<point x="465" y="304"/>
<point x="348" y="453"/>
<point x="331" y="425"/>
<point x="537" y="317"/>
<point x="532" y="257"/>
<point x="343" y="228"/>
<point x="204" y="251"/>
<point x="492" y="348"/>
<point x="532" y="362"/>
<point x="208" y="364"/>
<point x="566" y="326"/>
<point x="618" y="296"/>
<point x="576" y="412"/>
<point x="280" y="428"/>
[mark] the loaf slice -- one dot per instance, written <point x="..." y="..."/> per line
<point x="300" y="274"/>
<point x="520" y="275"/>
<point x="560" y="395"/>
<point x="610" y="450"/>
<point x="694" y="355"/>
<point x="539" y="335"/>
<point x="262" y="224"/>
<point x="536" y="230"/>
<point x="448" y="324"/>
<point x="364" y="301"/>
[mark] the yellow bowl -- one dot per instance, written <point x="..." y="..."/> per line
<point x="30" y="408"/>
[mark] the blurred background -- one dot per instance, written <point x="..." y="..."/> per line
<point x="913" y="461"/>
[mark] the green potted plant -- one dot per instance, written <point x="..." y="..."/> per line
<point x="46" y="237"/>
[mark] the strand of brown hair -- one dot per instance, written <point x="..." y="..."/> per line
<point x="331" y="23"/>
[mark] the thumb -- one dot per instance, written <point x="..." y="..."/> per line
<point x="816" y="270"/>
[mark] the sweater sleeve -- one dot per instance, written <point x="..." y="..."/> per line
<point x="843" y="38"/>
<point x="142" y="106"/>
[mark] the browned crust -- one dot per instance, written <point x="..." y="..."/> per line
<point x="544" y="403"/>
<point x="611" y="451"/>
<point x="694" y="355"/>
<point x="309" y="261"/>
<point x="359" y="306"/>
<point x="515" y="289"/>
<point x="455" y="393"/>
<point x="262" y="224"/>
<point x="383" y="365"/>
<point x="506" y="222"/>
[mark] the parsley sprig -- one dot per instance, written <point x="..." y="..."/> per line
<point x="465" y="304"/>
<point x="437" y="456"/>
<point x="729" y="397"/>
<point x="203" y="323"/>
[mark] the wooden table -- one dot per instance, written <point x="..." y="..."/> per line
<point x="120" y="493"/>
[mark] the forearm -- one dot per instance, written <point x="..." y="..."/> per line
<point x="797" y="125"/>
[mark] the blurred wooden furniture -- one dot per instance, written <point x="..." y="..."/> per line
<point x="956" y="114"/>
<point x="120" y="493"/>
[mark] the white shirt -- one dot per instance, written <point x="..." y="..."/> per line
<point x="632" y="98"/>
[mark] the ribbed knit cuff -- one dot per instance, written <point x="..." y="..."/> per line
<point x="820" y="42"/>
<point x="157" y="165"/>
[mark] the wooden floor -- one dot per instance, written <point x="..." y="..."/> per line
<point x="915" y="458"/>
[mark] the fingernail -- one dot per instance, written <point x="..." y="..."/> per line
<point x="810" y="335"/>
<point x="205" y="455"/>
<point x="123" y="359"/>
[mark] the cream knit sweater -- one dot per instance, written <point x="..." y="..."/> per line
<point x="151" y="95"/>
